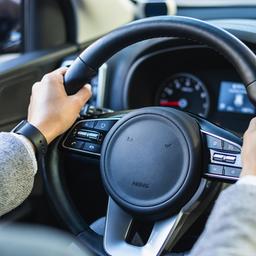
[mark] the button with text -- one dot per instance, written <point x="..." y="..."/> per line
<point x="89" y="135"/>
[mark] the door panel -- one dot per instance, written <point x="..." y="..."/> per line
<point x="16" y="80"/>
<point x="14" y="98"/>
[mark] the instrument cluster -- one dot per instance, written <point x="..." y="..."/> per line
<point x="192" y="79"/>
<point x="187" y="92"/>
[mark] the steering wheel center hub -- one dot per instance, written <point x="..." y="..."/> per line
<point x="150" y="159"/>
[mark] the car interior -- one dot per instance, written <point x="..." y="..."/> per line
<point x="173" y="85"/>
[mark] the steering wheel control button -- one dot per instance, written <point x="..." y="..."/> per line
<point x="149" y="161"/>
<point x="213" y="142"/>
<point x="104" y="125"/>
<point x="215" y="169"/>
<point x="230" y="159"/>
<point x="88" y="124"/>
<point x="94" y="136"/>
<point x="231" y="148"/>
<point x="77" y="144"/>
<point x="218" y="157"/>
<point x="92" y="147"/>
<point x="86" y="138"/>
<point x="232" y="171"/>
<point x="224" y="158"/>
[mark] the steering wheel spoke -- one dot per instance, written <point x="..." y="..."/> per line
<point x="222" y="153"/>
<point x="118" y="223"/>
<point x="165" y="233"/>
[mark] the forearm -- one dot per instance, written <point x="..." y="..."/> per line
<point x="231" y="228"/>
<point x="17" y="169"/>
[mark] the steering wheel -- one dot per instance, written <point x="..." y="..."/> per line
<point x="157" y="164"/>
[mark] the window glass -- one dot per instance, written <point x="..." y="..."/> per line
<point x="10" y="28"/>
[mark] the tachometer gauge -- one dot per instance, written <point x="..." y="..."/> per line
<point x="185" y="92"/>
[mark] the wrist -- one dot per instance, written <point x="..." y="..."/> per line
<point x="34" y="135"/>
<point x="45" y="129"/>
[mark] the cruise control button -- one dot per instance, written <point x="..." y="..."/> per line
<point x="230" y="147"/>
<point x="105" y="125"/>
<point x="213" y="142"/>
<point x="218" y="157"/>
<point x="230" y="159"/>
<point x="92" y="147"/>
<point x="231" y="171"/>
<point x="88" y="124"/>
<point x="215" y="169"/>
<point x="77" y="144"/>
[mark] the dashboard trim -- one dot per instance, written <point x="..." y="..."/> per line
<point x="102" y="79"/>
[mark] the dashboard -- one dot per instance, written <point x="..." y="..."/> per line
<point x="189" y="77"/>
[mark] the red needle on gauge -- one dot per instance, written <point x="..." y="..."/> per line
<point x="169" y="103"/>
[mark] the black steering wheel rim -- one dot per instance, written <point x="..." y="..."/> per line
<point x="240" y="56"/>
<point x="237" y="53"/>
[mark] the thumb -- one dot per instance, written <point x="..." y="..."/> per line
<point x="252" y="125"/>
<point x="83" y="95"/>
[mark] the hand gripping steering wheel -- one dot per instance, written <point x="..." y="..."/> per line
<point x="157" y="164"/>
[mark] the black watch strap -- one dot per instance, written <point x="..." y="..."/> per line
<point x="34" y="135"/>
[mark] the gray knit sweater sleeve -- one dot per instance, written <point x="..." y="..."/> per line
<point x="231" y="228"/>
<point x="17" y="170"/>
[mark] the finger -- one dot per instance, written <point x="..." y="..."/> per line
<point x="35" y="86"/>
<point x="56" y="75"/>
<point x="60" y="71"/>
<point x="83" y="95"/>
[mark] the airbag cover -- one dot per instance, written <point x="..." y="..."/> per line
<point x="146" y="159"/>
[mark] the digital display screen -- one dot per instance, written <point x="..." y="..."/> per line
<point x="233" y="98"/>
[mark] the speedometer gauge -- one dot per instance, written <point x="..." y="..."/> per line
<point x="185" y="92"/>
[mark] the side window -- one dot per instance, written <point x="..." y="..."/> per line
<point x="10" y="29"/>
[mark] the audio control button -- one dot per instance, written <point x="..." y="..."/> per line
<point x="89" y="135"/>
